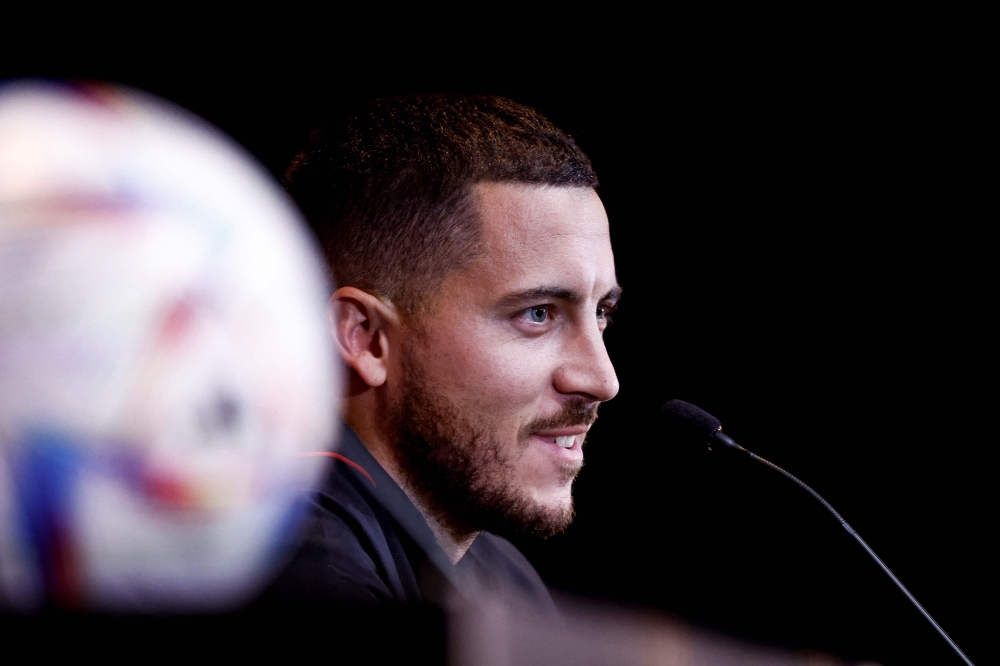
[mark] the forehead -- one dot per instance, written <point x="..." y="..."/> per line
<point x="549" y="234"/>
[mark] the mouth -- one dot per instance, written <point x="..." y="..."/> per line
<point x="566" y="441"/>
<point x="565" y="438"/>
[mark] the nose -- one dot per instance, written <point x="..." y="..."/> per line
<point x="587" y="370"/>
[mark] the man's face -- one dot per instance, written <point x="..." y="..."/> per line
<point x="500" y="382"/>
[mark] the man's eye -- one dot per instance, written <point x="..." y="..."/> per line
<point x="538" y="315"/>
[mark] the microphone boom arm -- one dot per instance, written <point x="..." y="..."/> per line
<point x="726" y="440"/>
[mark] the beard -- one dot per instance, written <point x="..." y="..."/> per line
<point x="454" y="461"/>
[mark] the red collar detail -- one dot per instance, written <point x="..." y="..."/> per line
<point x="341" y="458"/>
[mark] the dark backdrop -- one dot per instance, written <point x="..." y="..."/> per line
<point x="803" y="254"/>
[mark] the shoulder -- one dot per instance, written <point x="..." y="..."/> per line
<point x="343" y="553"/>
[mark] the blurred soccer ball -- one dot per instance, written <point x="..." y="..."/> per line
<point x="164" y="357"/>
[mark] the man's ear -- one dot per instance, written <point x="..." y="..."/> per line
<point x="360" y="323"/>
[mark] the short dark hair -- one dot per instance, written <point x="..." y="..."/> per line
<point x="388" y="189"/>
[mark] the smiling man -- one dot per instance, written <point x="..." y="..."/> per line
<point x="476" y="279"/>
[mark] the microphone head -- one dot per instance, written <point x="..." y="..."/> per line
<point x="690" y="422"/>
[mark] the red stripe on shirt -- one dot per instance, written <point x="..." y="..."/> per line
<point x="345" y="459"/>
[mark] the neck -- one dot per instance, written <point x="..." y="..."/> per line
<point x="361" y="418"/>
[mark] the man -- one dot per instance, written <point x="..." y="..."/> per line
<point x="476" y="279"/>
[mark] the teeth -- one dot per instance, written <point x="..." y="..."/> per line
<point x="566" y="442"/>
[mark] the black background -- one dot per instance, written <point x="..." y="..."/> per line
<point x="802" y="241"/>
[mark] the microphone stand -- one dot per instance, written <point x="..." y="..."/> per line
<point x="726" y="440"/>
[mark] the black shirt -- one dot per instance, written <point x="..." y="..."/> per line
<point x="366" y="543"/>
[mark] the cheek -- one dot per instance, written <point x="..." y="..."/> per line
<point x="493" y="372"/>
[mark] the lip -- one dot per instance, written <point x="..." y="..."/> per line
<point x="563" y="432"/>
<point x="575" y="452"/>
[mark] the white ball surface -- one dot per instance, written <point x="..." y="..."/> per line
<point x="165" y="359"/>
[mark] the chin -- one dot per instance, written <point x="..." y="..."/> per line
<point x="556" y="500"/>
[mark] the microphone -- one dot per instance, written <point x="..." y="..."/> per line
<point x="695" y="424"/>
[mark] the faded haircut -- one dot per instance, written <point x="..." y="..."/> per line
<point x="388" y="190"/>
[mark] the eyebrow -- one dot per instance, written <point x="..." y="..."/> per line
<point x="553" y="293"/>
<point x="614" y="295"/>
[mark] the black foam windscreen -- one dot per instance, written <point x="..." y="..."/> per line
<point x="690" y="422"/>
